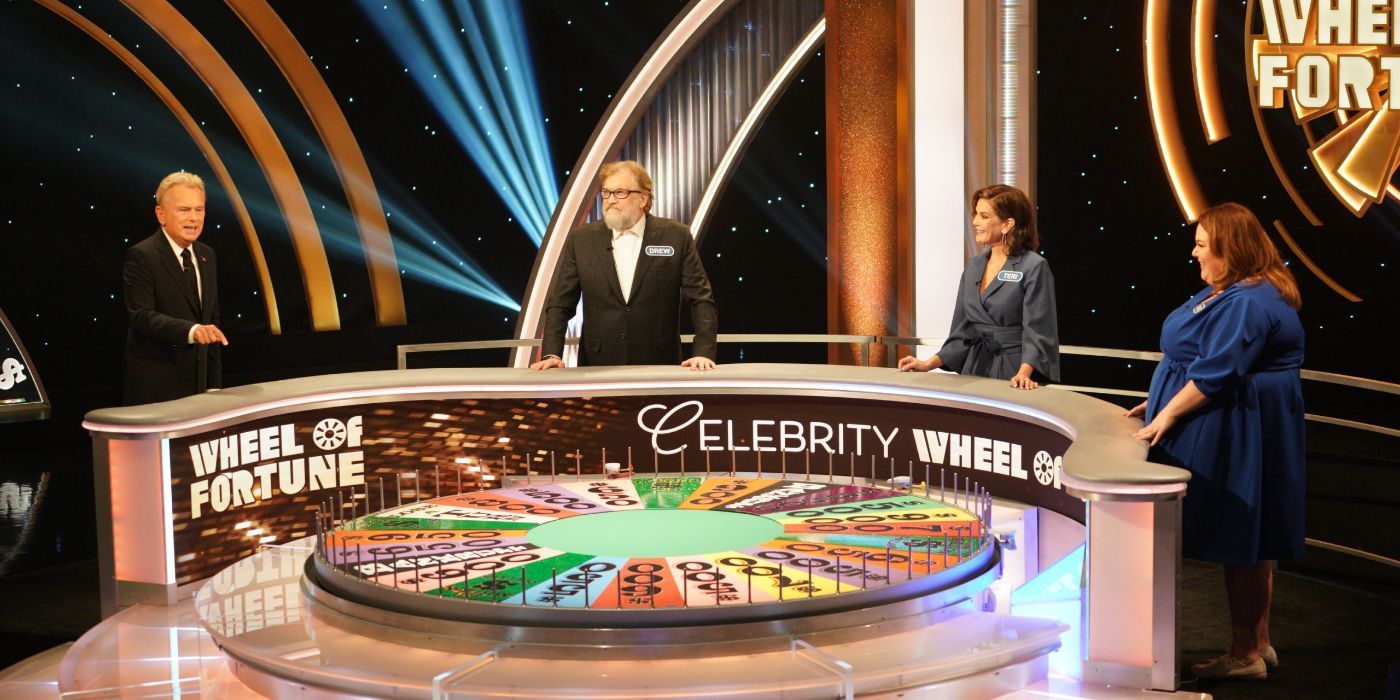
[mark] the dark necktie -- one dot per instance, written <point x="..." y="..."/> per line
<point x="187" y="260"/>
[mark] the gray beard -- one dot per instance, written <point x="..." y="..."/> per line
<point x="616" y="220"/>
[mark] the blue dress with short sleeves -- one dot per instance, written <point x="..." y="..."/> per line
<point x="1244" y="447"/>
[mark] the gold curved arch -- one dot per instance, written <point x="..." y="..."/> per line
<point x="1162" y="108"/>
<point x="240" y="210"/>
<point x="266" y="148"/>
<point x="320" y="104"/>
<point x="1203" y="71"/>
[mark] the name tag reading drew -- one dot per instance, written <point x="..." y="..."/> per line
<point x="663" y="251"/>
<point x="1009" y="276"/>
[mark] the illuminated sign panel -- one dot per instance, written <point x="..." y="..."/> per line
<point x="262" y="481"/>
<point x="1334" y="59"/>
<point x="22" y="396"/>
<point x="1326" y="55"/>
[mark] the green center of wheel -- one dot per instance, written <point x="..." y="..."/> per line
<point x="655" y="533"/>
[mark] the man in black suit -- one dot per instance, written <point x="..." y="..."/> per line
<point x="172" y="301"/>
<point x="632" y="270"/>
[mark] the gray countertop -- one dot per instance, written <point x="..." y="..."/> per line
<point x="1103" y="453"/>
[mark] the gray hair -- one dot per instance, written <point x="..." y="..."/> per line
<point x="173" y="179"/>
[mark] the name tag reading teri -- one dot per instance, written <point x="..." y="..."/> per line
<point x="662" y="251"/>
<point x="1009" y="276"/>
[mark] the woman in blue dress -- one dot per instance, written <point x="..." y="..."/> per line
<point x="1226" y="403"/>
<point x="1004" y="324"/>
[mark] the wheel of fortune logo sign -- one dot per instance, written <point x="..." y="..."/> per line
<point x="1317" y="68"/>
<point x="1334" y="60"/>
<point x="11" y="373"/>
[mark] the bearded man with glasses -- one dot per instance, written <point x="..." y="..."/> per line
<point x="632" y="270"/>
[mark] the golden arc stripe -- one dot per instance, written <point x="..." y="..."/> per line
<point x="1369" y="166"/>
<point x="1203" y="71"/>
<point x="350" y="165"/>
<point x="1162" y="108"/>
<point x="221" y="173"/>
<point x="266" y="148"/>
<point x="1327" y="154"/>
<point x="1327" y="279"/>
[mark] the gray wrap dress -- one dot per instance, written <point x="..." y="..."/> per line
<point x="1010" y="323"/>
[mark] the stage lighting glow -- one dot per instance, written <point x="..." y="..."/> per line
<point x="1058" y="593"/>
<point x="472" y="63"/>
<point x="801" y="229"/>
<point x="424" y="249"/>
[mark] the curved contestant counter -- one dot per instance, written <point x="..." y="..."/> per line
<point x="198" y="484"/>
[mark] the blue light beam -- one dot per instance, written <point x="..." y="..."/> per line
<point x="423" y="248"/>
<point x="421" y="251"/>
<point x="473" y="65"/>
<point x="760" y="183"/>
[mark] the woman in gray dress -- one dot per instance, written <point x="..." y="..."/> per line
<point x="1004" y="324"/>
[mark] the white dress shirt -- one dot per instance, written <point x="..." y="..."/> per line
<point x="626" y="247"/>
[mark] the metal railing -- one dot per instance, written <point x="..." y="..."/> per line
<point x="864" y="341"/>
<point x="893" y="343"/>
<point x="405" y="350"/>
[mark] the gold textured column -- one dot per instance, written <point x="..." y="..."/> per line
<point x="863" y="163"/>
<point x="904" y="175"/>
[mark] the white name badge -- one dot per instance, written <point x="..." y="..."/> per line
<point x="663" y="251"/>
<point x="1009" y="276"/>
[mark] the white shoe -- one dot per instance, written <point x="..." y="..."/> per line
<point x="1226" y="667"/>
<point x="1270" y="657"/>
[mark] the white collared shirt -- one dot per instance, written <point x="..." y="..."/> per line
<point x="199" y="279"/>
<point x="626" y="246"/>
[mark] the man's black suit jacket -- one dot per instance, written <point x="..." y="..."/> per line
<point x="161" y="364"/>
<point x="645" y="330"/>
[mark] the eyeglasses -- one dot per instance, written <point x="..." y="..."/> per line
<point x="619" y="194"/>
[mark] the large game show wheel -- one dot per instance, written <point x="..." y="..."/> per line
<point x="631" y="555"/>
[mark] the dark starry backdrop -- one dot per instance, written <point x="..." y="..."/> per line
<point x="86" y="141"/>
<point x="1112" y="229"/>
